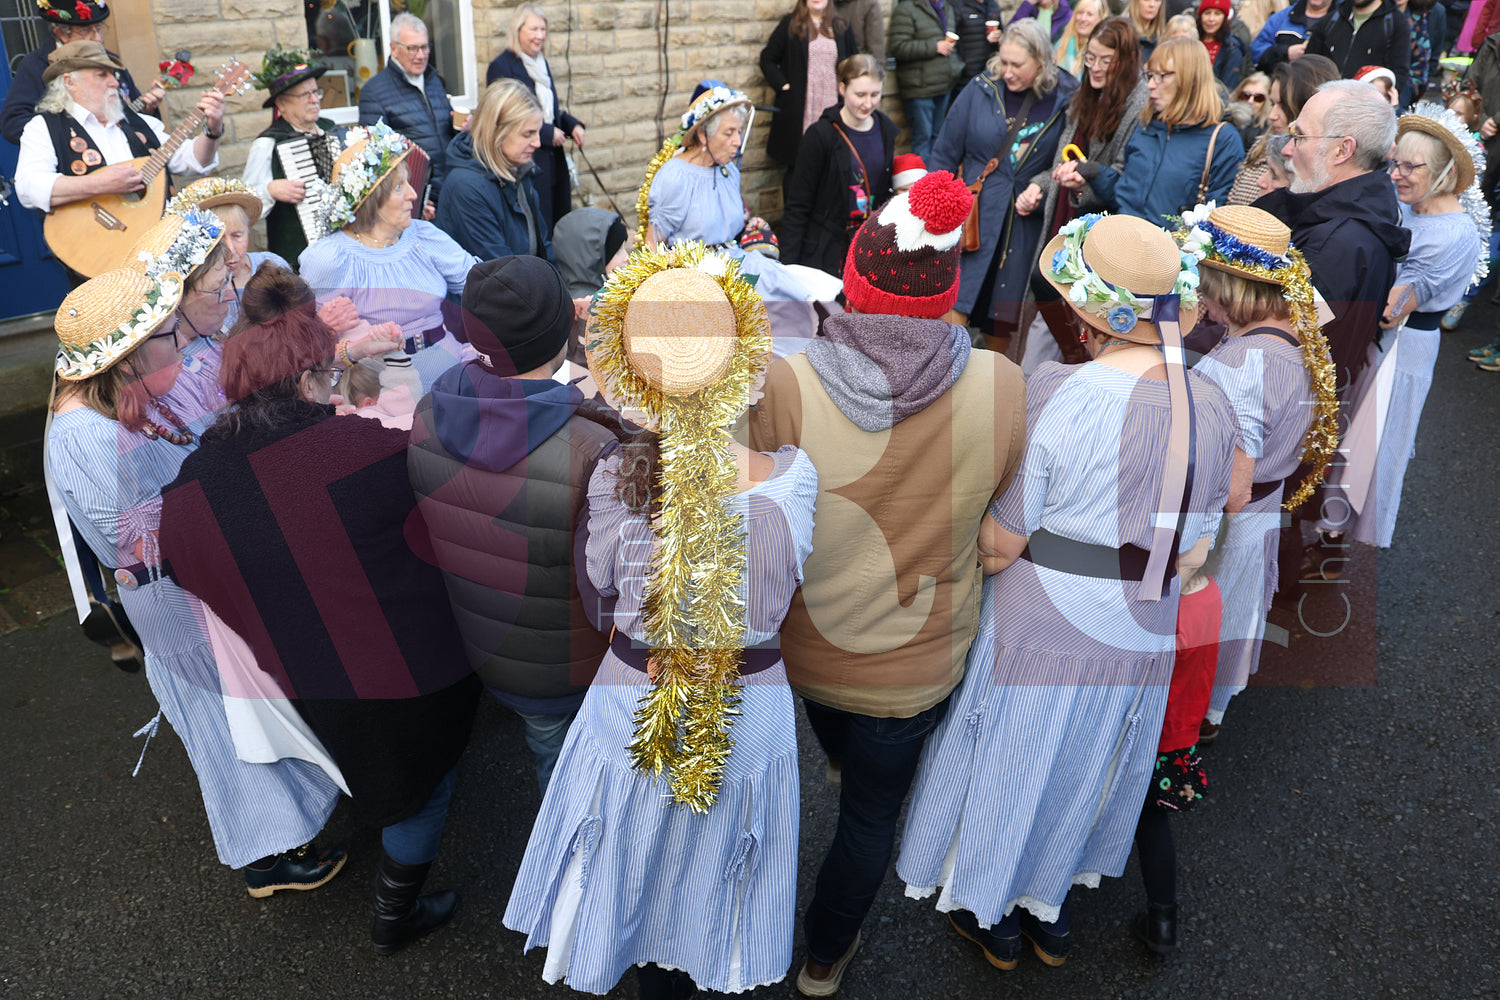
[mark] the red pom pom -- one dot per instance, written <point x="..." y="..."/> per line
<point x="941" y="201"/>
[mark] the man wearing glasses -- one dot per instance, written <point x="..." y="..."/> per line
<point x="292" y="77"/>
<point x="410" y="96"/>
<point x="1345" y="218"/>
<point x="79" y="21"/>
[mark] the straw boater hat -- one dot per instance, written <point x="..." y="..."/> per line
<point x="107" y="317"/>
<point x="75" y="56"/>
<point x="1265" y="238"/>
<point x="1111" y="269"/>
<point x="176" y="244"/>
<point x="711" y="102"/>
<point x="282" y="69"/>
<point x="1432" y="119"/>
<point x="212" y="192"/>
<point x="369" y="156"/>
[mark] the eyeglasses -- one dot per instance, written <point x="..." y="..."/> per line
<point x="1402" y="168"/>
<point x="316" y="94"/>
<point x="334" y="374"/>
<point x="169" y="332"/>
<point x="1296" y="135"/>
<point x="1098" y="62"/>
<point x="1254" y="98"/>
<point x="1155" y="77"/>
<point x="418" y="49"/>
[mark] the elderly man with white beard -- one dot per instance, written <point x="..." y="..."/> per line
<point x="82" y="139"/>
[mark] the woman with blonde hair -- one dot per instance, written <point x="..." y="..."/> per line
<point x="491" y="205"/>
<point x="1182" y="154"/>
<point x="1074" y="40"/>
<point x="523" y="61"/>
<point x="1149" y="18"/>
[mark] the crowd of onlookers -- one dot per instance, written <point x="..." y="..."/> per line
<point x="984" y="458"/>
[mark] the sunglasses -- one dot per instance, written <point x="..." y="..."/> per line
<point x="1254" y="98"/>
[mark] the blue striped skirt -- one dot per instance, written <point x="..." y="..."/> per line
<point x="615" y="874"/>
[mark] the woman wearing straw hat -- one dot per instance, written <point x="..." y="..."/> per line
<point x="1273" y="366"/>
<point x="1034" y="781"/>
<point x="238" y="208"/>
<point x="393" y="267"/>
<point x="1275" y="370"/>
<point x="1436" y="169"/>
<point x="617" y="873"/>
<point x="692" y="192"/>
<point x="126" y="414"/>
<point x="311" y="513"/>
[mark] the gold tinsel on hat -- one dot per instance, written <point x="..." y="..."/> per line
<point x="643" y="197"/>
<point x="693" y="612"/>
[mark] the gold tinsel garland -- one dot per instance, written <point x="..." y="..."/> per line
<point x="643" y="196"/>
<point x="693" y="612"/>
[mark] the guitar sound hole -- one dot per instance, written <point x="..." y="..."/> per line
<point x="133" y="196"/>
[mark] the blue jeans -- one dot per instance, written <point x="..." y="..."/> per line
<point x="925" y="117"/>
<point x="415" y="840"/>
<point x="545" y="735"/>
<point x="879" y="758"/>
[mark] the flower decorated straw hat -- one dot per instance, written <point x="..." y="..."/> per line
<point x="108" y="316"/>
<point x="211" y="192"/>
<point x="177" y="244"/>
<point x="710" y="102"/>
<point x="1112" y="268"/>
<point x="1246" y="241"/>
<point x="282" y="69"/>
<point x="369" y="156"/>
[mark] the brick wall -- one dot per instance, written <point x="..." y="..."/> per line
<point x="611" y="75"/>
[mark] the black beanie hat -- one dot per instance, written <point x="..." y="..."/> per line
<point x="517" y="313"/>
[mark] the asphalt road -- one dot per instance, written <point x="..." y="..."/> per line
<point x="1348" y="848"/>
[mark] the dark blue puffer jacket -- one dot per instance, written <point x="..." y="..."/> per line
<point x="483" y="212"/>
<point x="428" y="123"/>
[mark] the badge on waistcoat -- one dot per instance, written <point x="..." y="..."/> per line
<point x="92" y="157"/>
<point x="79" y="167"/>
<point x="78" y="143"/>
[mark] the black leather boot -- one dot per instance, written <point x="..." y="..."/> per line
<point x="402" y="914"/>
<point x="1157" y="927"/>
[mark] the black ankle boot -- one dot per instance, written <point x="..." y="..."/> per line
<point x="402" y="914"/>
<point x="1157" y="927"/>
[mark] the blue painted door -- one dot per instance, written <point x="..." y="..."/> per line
<point x="31" y="279"/>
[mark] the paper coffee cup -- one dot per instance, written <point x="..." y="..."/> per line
<point x="462" y="108"/>
<point x="992" y="24"/>
<point x="952" y="36"/>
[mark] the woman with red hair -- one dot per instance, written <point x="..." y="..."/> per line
<point x="297" y="528"/>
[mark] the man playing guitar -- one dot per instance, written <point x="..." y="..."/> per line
<point x="82" y="139"/>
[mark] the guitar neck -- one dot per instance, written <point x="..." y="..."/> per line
<point x="159" y="158"/>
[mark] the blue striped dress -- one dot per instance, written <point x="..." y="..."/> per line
<point x="110" y="480"/>
<point x="1034" y="780"/>
<point x="615" y="874"/>
<point x="1271" y="392"/>
<point x="404" y="283"/>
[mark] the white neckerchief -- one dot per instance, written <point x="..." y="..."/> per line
<point x="536" y="68"/>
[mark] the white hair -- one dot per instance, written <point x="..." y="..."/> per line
<point x="406" y="20"/>
<point x="711" y="127"/>
<point x="55" y="97"/>
<point x="1362" y="113"/>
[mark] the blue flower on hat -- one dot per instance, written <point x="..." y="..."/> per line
<point x="1121" y="319"/>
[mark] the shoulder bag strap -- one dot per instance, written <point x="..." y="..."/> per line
<point x="1208" y="161"/>
<point x="864" y="175"/>
<point x="1005" y="143"/>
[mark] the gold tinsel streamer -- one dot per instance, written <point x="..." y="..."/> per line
<point x="643" y="196"/>
<point x="693" y="613"/>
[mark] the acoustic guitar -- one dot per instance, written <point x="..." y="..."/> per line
<point x="94" y="234"/>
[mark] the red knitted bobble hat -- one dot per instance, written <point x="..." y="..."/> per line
<point x="904" y="259"/>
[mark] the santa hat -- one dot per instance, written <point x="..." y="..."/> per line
<point x="1369" y="74"/>
<point x="904" y="259"/>
<point x="907" y="169"/>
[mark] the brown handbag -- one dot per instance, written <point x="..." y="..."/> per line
<point x="969" y="242"/>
